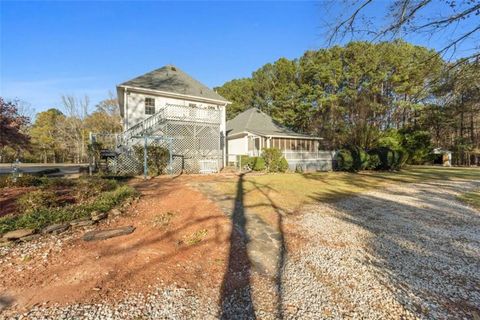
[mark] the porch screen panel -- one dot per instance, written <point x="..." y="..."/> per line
<point x="281" y="144"/>
<point x="250" y="144"/>
<point x="276" y="143"/>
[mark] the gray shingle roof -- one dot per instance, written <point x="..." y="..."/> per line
<point x="171" y="79"/>
<point x="255" y="121"/>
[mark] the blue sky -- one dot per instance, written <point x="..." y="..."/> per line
<point x="54" y="48"/>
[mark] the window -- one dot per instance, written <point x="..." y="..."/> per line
<point x="193" y="105"/>
<point x="149" y="106"/>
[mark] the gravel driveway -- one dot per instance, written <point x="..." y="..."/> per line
<point x="407" y="251"/>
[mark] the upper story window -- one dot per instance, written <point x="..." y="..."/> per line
<point x="193" y="105"/>
<point x="149" y="106"/>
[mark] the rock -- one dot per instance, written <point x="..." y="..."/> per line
<point x="81" y="222"/>
<point x="115" y="212"/>
<point x="30" y="237"/>
<point x="96" y="216"/>
<point x="105" y="234"/>
<point x="56" y="228"/>
<point x="17" y="234"/>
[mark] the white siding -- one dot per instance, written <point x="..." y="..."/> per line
<point x="237" y="147"/>
<point x="136" y="107"/>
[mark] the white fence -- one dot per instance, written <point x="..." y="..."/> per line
<point x="208" y="166"/>
<point x="195" y="114"/>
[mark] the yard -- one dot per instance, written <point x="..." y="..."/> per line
<point x="324" y="245"/>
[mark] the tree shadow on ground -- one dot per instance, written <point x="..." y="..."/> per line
<point x="5" y="302"/>
<point x="236" y="291"/>
<point x="236" y="299"/>
<point x="282" y="251"/>
<point x="425" y="248"/>
<point x="110" y="251"/>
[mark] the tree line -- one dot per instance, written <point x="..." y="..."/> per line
<point x="361" y="95"/>
<point x="369" y="95"/>
<point x="57" y="134"/>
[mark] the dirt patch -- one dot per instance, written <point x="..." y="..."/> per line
<point x="8" y="198"/>
<point x="89" y="272"/>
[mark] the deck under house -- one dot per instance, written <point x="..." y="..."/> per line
<point x="191" y="134"/>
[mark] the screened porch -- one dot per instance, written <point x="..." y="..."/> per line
<point x="292" y="148"/>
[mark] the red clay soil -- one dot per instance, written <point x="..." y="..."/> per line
<point x="8" y="197"/>
<point x="159" y="251"/>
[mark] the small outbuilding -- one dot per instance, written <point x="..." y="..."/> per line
<point x="252" y="131"/>
<point x="442" y="157"/>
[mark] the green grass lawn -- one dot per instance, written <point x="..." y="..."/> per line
<point x="290" y="191"/>
<point x="471" y="198"/>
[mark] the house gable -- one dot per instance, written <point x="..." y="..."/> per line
<point x="170" y="79"/>
<point x="165" y="86"/>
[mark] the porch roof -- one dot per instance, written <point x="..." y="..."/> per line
<point x="255" y="121"/>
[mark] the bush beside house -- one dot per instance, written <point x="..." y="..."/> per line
<point x="271" y="160"/>
<point x="354" y="159"/>
<point x="274" y="160"/>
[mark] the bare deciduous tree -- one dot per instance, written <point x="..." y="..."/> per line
<point x="73" y="127"/>
<point x="425" y="18"/>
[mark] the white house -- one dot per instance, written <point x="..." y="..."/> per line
<point x="167" y="102"/>
<point x="252" y="130"/>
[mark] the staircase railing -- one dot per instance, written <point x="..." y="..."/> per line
<point x="171" y="112"/>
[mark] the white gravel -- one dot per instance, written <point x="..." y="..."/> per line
<point x="410" y="251"/>
<point x="166" y="303"/>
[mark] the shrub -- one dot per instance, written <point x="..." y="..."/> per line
<point x="344" y="160"/>
<point x="274" y="160"/>
<point x="417" y="144"/>
<point x="258" y="164"/>
<point x="246" y="161"/>
<point x="25" y="180"/>
<point x="89" y="187"/>
<point x="401" y="157"/>
<point x="44" y="216"/>
<point x="373" y="161"/>
<point x="57" y="183"/>
<point x="390" y="159"/>
<point x="158" y="158"/>
<point x="359" y="158"/>
<point x="37" y="199"/>
<point x="282" y="165"/>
